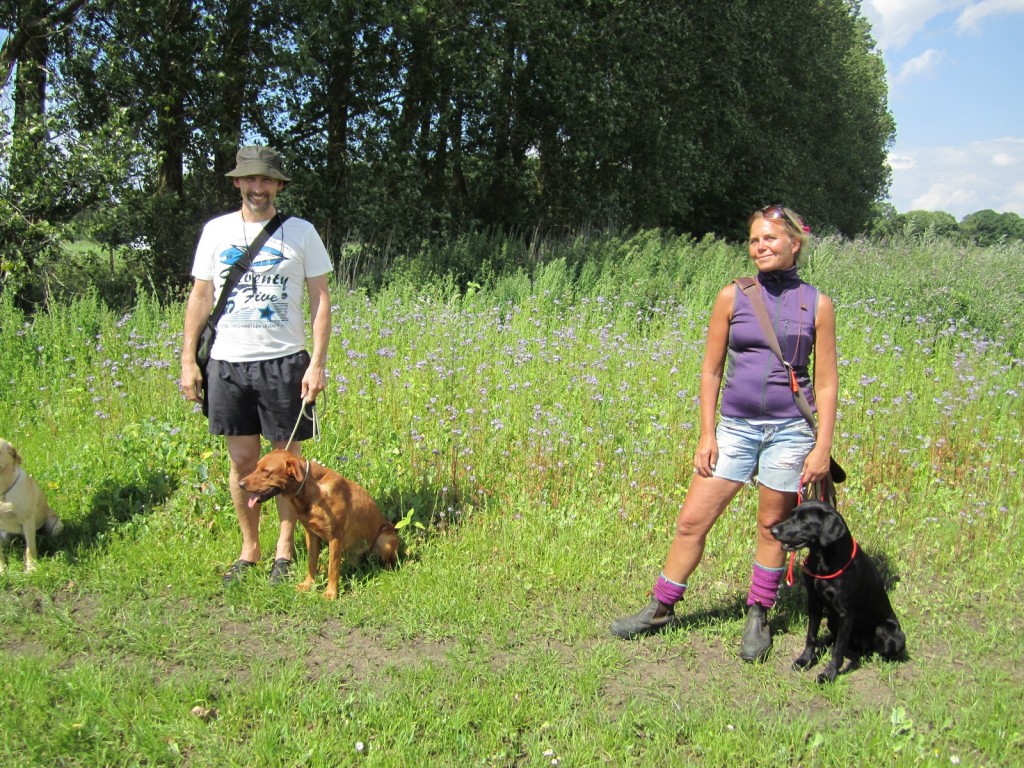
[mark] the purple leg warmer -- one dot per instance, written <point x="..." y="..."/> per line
<point x="668" y="592"/>
<point x="764" y="585"/>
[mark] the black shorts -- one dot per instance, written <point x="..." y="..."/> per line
<point x="260" y="397"/>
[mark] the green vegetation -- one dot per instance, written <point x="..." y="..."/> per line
<point x="982" y="228"/>
<point x="535" y="431"/>
<point x="408" y="122"/>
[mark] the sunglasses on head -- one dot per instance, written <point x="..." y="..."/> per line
<point x="779" y="212"/>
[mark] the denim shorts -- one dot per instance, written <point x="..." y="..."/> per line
<point x="773" y="450"/>
<point x="259" y="397"/>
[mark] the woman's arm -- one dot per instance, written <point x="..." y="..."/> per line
<point x="715" y="349"/>
<point x="826" y="389"/>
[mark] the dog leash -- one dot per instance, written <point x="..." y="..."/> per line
<point x="315" y="418"/>
<point x="792" y="555"/>
<point x="817" y="491"/>
<point x="789" y="569"/>
<point x="305" y="477"/>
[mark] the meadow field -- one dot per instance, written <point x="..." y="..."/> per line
<point x="532" y="435"/>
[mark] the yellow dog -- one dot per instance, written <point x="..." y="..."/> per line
<point x="23" y="507"/>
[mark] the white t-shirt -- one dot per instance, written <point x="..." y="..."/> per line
<point x="263" y="318"/>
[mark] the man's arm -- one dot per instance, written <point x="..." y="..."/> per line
<point x="315" y="379"/>
<point x="200" y="304"/>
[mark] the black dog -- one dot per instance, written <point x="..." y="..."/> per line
<point x="842" y="584"/>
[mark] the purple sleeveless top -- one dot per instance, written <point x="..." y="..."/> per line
<point x="756" y="383"/>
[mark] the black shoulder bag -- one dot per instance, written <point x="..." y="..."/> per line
<point x="827" y="486"/>
<point x="209" y="332"/>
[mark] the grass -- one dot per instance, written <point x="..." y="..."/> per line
<point x="535" y="433"/>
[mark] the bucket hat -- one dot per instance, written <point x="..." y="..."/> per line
<point x="258" y="161"/>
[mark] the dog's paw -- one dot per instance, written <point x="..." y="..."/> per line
<point x="809" y="657"/>
<point x="803" y="661"/>
<point x="828" y="675"/>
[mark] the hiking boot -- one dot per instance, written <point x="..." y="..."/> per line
<point x="653" y="618"/>
<point x="757" y="637"/>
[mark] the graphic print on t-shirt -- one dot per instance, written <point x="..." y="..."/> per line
<point x="260" y="300"/>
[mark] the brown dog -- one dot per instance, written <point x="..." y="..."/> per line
<point x="330" y="507"/>
<point x="23" y="507"/>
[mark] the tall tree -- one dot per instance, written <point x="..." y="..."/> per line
<point x="988" y="227"/>
<point x="410" y="120"/>
<point x="182" y="73"/>
<point x="318" y="92"/>
<point x="229" y="64"/>
<point x="25" y="55"/>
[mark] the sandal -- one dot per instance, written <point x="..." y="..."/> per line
<point x="235" y="572"/>
<point x="280" y="570"/>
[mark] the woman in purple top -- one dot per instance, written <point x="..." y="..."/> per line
<point x="761" y="432"/>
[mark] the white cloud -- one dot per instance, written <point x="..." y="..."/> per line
<point x="895" y="22"/>
<point x="901" y="162"/>
<point x="925" y="64"/>
<point x="945" y="197"/>
<point x="1015" y="199"/>
<point x="971" y="17"/>
<point x="959" y="180"/>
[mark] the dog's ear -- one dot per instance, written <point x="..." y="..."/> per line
<point x="294" y="467"/>
<point x="833" y="527"/>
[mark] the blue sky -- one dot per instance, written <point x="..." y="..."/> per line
<point x="956" y="89"/>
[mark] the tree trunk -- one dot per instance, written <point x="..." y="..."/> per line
<point x="174" y="68"/>
<point x="234" y="93"/>
<point x="29" y="90"/>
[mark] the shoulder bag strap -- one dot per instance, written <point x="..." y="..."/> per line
<point x="751" y="287"/>
<point x="244" y="261"/>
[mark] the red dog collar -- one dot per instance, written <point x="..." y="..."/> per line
<point x="838" y="573"/>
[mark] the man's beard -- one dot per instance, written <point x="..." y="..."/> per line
<point x="260" y="207"/>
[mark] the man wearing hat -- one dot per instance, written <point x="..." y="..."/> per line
<point x="261" y="379"/>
